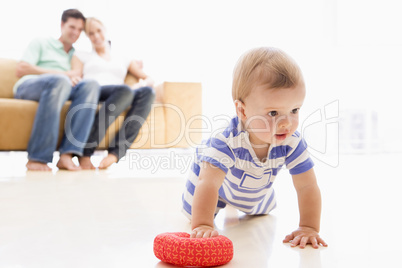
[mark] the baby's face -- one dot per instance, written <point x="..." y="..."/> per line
<point x="272" y="115"/>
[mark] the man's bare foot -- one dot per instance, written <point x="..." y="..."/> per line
<point x="85" y="162"/>
<point x="37" y="166"/>
<point x="66" y="162"/>
<point x="108" y="161"/>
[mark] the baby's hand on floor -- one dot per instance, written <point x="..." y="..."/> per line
<point x="204" y="231"/>
<point x="303" y="236"/>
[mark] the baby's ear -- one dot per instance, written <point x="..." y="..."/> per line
<point x="240" y="109"/>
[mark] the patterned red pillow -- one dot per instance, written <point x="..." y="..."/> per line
<point x="181" y="250"/>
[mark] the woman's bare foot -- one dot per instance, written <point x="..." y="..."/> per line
<point x="85" y="162"/>
<point x="37" y="166"/>
<point x="108" y="161"/>
<point x="66" y="162"/>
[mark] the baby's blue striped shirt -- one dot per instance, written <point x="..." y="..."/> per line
<point x="248" y="182"/>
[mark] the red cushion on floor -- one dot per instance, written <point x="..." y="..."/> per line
<point x="180" y="249"/>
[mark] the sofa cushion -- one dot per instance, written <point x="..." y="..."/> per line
<point x="8" y="77"/>
<point x="17" y="117"/>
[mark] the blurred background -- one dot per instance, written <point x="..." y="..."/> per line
<point x="350" y="52"/>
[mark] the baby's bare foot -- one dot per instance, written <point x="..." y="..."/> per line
<point x="107" y="161"/>
<point x="85" y="162"/>
<point x="37" y="166"/>
<point x="66" y="162"/>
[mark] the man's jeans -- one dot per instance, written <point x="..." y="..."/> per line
<point x="117" y="98"/>
<point x="52" y="91"/>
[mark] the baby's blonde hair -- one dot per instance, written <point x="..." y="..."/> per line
<point x="266" y="66"/>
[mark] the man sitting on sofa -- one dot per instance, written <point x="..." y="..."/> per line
<point x="46" y="77"/>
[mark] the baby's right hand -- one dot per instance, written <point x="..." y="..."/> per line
<point x="204" y="231"/>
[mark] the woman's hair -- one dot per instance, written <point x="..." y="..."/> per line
<point x="265" y="66"/>
<point x="88" y="22"/>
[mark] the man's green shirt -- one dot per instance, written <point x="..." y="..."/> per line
<point x="46" y="53"/>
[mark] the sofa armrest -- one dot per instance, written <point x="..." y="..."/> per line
<point x="183" y="113"/>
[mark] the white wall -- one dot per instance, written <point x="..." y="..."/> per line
<point x="349" y="50"/>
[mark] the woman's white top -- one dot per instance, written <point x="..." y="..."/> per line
<point x="105" y="72"/>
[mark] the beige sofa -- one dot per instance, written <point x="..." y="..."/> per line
<point x="174" y="121"/>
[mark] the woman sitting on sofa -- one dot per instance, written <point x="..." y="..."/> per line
<point x="110" y="72"/>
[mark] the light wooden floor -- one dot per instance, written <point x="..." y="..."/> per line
<point x="110" y="218"/>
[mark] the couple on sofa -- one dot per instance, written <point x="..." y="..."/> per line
<point x="51" y="73"/>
